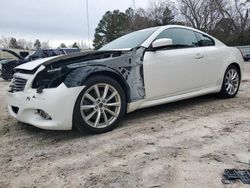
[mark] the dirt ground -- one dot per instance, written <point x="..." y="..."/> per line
<point x="184" y="144"/>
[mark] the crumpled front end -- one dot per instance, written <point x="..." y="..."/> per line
<point x="51" y="110"/>
<point x="43" y="92"/>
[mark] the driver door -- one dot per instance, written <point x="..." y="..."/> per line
<point x="174" y="70"/>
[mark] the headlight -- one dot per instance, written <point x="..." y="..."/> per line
<point x="50" y="78"/>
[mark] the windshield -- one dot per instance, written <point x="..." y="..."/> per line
<point x="130" y="40"/>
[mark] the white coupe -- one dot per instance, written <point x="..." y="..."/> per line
<point x="92" y="91"/>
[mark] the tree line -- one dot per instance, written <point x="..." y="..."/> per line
<point x="227" y="20"/>
<point x="12" y="42"/>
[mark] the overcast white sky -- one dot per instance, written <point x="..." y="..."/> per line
<point x="55" y="21"/>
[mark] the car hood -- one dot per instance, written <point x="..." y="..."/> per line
<point x="34" y="64"/>
<point x="64" y="60"/>
<point x="13" y="53"/>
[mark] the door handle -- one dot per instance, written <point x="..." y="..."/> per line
<point x="199" y="56"/>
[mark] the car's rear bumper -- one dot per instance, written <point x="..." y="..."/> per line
<point x="58" y="103"/>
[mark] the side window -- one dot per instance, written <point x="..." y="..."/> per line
<point x="181" y="37"/>
<point x="204" y="40"/>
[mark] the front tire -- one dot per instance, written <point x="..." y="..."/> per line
<point x="231" y="82"/>
<point x="100" y="106"/>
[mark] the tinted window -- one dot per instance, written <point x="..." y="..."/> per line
<point x="204" y="40"/>
<point x="180" y="37"/>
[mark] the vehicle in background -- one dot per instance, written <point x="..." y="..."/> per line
<point x="245" y="50"/>
<point x="51" y="52"/>
<point x="2" y="61"/>
<point x="9" y="63"/>
<point x="7" y="67"/>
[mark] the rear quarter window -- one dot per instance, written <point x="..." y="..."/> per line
<point x="204" y="40"/>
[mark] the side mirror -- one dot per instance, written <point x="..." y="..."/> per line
<point x="162" y="43"/>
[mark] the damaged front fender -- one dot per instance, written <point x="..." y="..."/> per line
<point x="124" y="66"/>
<point x="128" y="68"/>
<point x="78" y="76"/>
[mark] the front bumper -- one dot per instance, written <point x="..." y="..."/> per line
<point x="58" y="103"/>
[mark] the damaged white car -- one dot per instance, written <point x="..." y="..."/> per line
<point x="93" y="90"/>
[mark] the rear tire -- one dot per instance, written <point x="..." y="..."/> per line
<point x="231" y="82"/>
<point x="100" y="106"/>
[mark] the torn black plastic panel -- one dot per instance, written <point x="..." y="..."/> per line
<point x="74" y="69"/>
<point x="233" y="174"/>
<point x="128" y="65"/>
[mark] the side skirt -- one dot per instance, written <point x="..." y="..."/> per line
<point x="145" y="103"/>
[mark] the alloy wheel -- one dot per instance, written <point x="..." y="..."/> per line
<point x="100" y="105"/>
<point x="232" y="81"/>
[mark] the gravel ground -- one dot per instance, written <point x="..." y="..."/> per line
<point x="183" y="144"/>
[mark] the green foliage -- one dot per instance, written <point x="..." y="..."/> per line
<point x="62" y="45"/>
<point x="13" y="43"/>
<point x="111" y="26"/>
<point x="226" y="20"/>
<point x="115" y="24"/>
<point x="168" y="16"/>
<point x="37" y="44"/>
<point x="75" y="45"/>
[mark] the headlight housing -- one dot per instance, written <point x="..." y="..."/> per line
<point x="49" y="78"/>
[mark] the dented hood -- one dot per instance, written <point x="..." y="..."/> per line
<point x="34" y="64"/>
<point x="69" y="59"/>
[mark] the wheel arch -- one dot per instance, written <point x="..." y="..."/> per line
<point x="223" y="93"/>
<point x="238" y="67"/>
<point x="78" y="76"/>
<point x="115" y="76"/>
<point x="225" y="67"/>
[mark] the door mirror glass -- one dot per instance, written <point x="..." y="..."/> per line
<point x="164" y="42"/>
